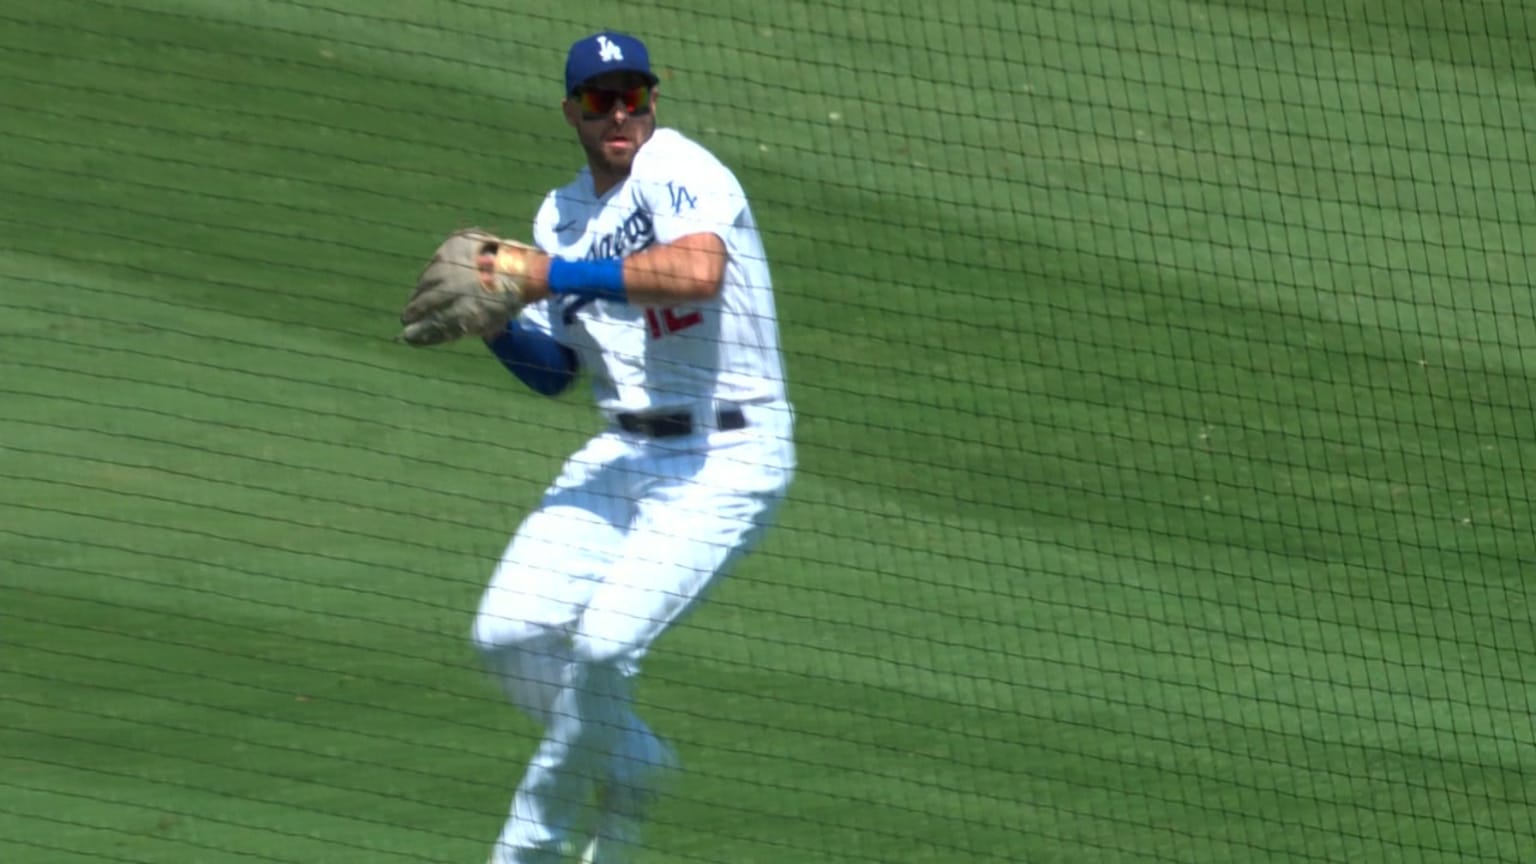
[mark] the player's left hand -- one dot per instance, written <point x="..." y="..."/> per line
<point x="472" y="285"/>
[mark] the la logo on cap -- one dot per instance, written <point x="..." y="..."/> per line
<point x="607" y="51"/>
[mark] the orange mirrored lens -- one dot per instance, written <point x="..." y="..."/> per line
<point x="597" y="103"/>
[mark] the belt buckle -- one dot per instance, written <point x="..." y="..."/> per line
<point x="678" y="424"/>
<point x="671" y="425"/>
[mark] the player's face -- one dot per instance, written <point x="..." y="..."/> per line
<point x="614" y="115"/>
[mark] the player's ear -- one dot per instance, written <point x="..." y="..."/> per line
<point x="572" y="111"/>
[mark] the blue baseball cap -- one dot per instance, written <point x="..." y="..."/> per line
<point x="606" y="52"/>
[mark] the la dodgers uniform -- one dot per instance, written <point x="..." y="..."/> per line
<point x="696" y="456"/>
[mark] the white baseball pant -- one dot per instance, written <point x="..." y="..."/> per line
<point x="626" y="540"/>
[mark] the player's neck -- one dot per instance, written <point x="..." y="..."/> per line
<point x="603" y="180"/>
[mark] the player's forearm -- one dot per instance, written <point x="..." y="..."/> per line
<point x="687" y="270"/>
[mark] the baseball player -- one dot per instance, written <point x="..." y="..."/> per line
<point x="647" y="270"/>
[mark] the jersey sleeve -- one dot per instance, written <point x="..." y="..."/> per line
<point x="536" y="315"/>
<point x="544" y="223"/>
<point x="688" y="191"/>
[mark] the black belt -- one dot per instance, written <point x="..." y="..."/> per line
<point x="677" y="424"/>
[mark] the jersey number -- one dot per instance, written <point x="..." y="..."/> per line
<point x="666" y="321"/>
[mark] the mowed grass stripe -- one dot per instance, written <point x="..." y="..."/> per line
<point x="1136" y="542"/>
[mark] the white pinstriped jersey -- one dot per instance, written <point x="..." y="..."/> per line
<point x="645" y="358"/>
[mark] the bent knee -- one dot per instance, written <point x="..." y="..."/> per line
<point x="498" y="631"/>
<point x="611" y="638"/>
<point x="522" y="606"/>
<point x="601" y="652"/>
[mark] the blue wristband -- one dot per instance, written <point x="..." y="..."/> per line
<point x="600" y="280"/>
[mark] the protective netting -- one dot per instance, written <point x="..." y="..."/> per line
<point x="1163" y="415"/>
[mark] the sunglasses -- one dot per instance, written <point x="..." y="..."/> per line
<point x="596" y="102"/>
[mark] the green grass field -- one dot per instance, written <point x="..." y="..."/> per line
<point x="1164" y="373"/>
